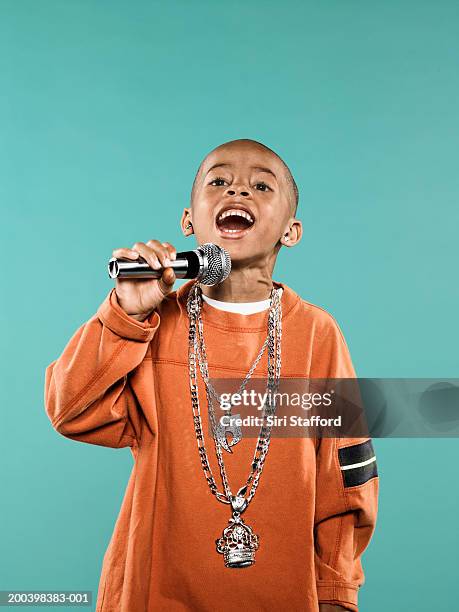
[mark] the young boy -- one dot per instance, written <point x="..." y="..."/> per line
<point x="124" y="380"/>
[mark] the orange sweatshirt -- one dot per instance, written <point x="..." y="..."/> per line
<point x="120" y="382"/>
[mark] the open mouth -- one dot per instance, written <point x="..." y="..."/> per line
<point x="234" y="222"/>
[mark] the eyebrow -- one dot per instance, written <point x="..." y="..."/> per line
<point x="264" y="170"/>
<point x="260" y="169"/>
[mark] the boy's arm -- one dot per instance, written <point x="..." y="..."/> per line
<point x="346" y="509"/>
<point x="346" y="499"/>
<point x="88" y="396"/>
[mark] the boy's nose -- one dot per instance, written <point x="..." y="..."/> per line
<point x="241" y="191"/>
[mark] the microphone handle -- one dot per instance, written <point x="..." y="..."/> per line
<point x="188" y="264"/>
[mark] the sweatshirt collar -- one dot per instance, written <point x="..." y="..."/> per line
<point x="235" y="321"/>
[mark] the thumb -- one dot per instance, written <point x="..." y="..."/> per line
<point x="167" y="280"/>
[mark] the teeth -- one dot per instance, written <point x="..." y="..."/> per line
<point x="236" y="212"/>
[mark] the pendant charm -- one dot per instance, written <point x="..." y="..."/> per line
<point x="221" y="432"/>
<point x="238" y="543"/>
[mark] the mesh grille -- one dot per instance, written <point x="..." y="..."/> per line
<point x="218" y="264"/>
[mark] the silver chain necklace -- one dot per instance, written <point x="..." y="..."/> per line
<point x="238" y="543"/>
<point x="220" y="431"/>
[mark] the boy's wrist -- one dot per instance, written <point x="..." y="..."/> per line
<point x="140" y="317"/>
<point x="119" y="322"/>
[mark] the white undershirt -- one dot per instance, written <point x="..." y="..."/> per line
<point x="240" y="307"/>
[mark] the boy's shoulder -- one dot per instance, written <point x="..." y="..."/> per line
<point x="321" y="320"/>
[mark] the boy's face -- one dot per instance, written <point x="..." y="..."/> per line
<point x="241" y="177"/>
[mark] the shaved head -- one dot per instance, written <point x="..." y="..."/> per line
<point x="293" y="194"/>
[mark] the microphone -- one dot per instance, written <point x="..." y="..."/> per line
<point x="210" y="264"/>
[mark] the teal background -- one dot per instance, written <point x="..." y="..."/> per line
<point x="106" y="110"/>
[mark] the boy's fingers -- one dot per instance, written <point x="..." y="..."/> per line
<point x="156" y="255"/>
<point x="161" y="252"/>
<point x="148" y="254"/>
<point x="171" y="250"/>
<point x="167" y="280"/>
<point x="128" y="253"/>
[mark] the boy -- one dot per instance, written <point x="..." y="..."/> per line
<point x="124" y="380"/>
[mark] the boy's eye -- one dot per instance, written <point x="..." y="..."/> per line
<point x="262" y="186"/>
<point x="217" y="182"/>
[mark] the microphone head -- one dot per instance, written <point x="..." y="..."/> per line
<point x="218" y="264"/>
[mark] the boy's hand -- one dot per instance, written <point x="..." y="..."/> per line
<point x="138" y="297"/>
<point x="325" y="607"/>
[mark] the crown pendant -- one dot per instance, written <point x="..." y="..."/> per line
<point x="238" y="543"/>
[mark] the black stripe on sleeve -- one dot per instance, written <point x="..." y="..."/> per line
<point x="360" y="475"/>
<point x="355" y="454"/>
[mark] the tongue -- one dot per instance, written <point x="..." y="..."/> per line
<point x="235" y="222"/>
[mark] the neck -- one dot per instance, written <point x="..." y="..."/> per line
<point x="242" y="285"/>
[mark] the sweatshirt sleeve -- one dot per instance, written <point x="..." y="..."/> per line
<point x="88" y="396"/>
<point x="347" y="490"/>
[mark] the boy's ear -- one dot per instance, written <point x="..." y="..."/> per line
<point x="293" y="234"/>
<point x="186" y="224"/>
